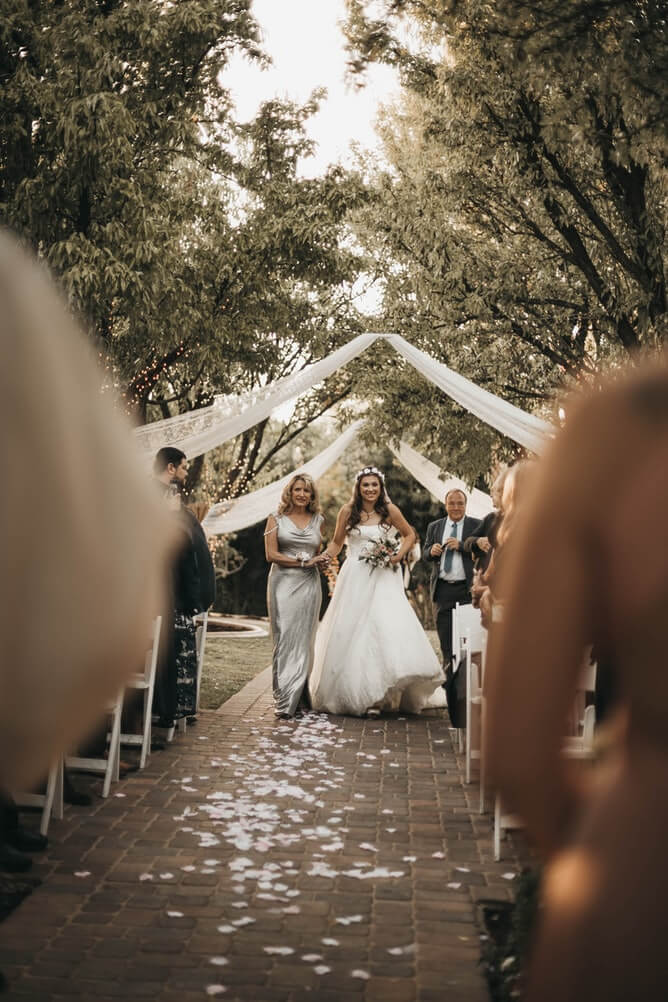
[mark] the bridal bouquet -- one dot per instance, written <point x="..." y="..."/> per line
<point x="379" y="552"/>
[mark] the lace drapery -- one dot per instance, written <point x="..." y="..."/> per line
<point x="248" y="509"/>
<point x="198" y="431"/>
<point x="201" y="430"/>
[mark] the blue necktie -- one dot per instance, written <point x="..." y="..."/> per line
<point x="447" y="563"/>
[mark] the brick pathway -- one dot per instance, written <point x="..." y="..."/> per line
<point x="321" y="859"/>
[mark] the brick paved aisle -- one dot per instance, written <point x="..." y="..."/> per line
<point x="325" y="858"/>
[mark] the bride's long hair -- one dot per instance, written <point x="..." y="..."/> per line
<point x="356" y="502"/>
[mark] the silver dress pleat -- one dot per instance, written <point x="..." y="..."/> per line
<point x="294" y="597"/>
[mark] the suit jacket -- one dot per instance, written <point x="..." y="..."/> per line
<point x="435" y="535"/>
<point x="206" y="572"/>
<point x="488" y="527"/>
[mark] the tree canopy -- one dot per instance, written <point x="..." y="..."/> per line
<point x="519" y="224"/>
<point x="516" y="221"/>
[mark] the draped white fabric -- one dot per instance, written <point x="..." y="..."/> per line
<point x="198" y="431"/>
<point x="248" y="509"/>
<point x="204" y="429"/>
<point x="528" y="430"/>
<point x="428" y="474"/>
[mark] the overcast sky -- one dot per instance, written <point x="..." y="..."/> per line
<point x="306" y="45"/>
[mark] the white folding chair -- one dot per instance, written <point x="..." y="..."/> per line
<point x="502" y="822"/>
<point x="586" y="685"/>
<point x="579" y="747"/>
<point x="473" y="645"/>
<point x="465" y="619"/>
<point x="51" y="801"/>
<point x="483" y="706"/>
<point x="144" y="682"/>
<point x="109" y="766"/>
<point x="466" y="629"/>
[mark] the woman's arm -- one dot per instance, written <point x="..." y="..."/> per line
<point x="337" y="541"/>
<point x="407" y="534"/>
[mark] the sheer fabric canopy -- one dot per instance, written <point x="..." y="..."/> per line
<point x="428" y="474"/>
<point x="204" y="429"/>
<point x="525" y="429"/>
<point x="201" y="430"/>
<point x="249" y="509"/>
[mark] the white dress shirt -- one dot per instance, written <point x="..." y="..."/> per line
<point x="456" y="572"/>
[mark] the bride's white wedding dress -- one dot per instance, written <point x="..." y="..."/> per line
<point x="370" y="649"/>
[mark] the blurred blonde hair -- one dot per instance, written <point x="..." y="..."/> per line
<point x="514" y="497"/>
<point x="83" y="574"/>
<point x="285" y="504"/>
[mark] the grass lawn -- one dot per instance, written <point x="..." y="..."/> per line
<point x="230" y="663"/>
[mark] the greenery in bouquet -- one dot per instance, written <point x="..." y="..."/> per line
<point x="380" y="552"/>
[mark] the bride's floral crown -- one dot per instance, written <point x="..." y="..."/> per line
<point x="369" y="471"/>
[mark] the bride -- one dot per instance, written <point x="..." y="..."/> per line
<point x="371" y="651"/>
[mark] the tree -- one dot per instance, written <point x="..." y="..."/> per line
<point x="105" y="107"/>
<point x="519" y="228"/>
<point x="199" y="258"/>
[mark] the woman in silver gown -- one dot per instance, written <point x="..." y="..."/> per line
<point x="292" y="543"/>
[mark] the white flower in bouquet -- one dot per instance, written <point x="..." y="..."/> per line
<point x="379" y="553"/>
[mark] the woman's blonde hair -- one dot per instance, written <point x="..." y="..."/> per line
<point x="285" y="505"/>
<point x="514" y="497"/>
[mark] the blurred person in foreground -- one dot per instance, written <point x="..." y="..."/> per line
<point x="487" y="587"/>
<point x="82" y="565"/>
<point x="581" y="567"/>
<point x="481" y="543"/>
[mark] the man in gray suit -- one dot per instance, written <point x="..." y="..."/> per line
<point x="451" y="566"/>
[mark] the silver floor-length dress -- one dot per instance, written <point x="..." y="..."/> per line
<point x="294" y="597"/>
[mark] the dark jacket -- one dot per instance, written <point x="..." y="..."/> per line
<point x="489" y="528"/>
<point x="435" y="535"/>
<point x="184" y="575"/>
<point x="206" y="572"/>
